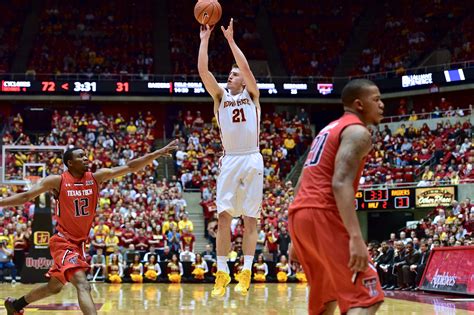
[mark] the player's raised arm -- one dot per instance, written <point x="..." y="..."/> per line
<point x="250" y="82"/>
<point x="105" y="174"/>
<point x="355" y="144"/>
<point x="50" y="182"/>
<point x="203" y="65"/>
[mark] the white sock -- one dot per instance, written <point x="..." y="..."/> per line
<point x="222" y="264"/>
<point x="248" y="261"/>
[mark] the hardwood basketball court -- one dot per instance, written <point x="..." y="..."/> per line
<point x="186" y="298"/>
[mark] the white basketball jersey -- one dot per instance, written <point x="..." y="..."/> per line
<point x="239" y="121"/>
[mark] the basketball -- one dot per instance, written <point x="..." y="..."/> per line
<point x="207" y="12"/>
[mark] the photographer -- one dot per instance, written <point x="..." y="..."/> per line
<point x="6" y="262"/>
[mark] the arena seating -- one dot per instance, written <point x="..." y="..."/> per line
<point x="11" y="27"/>
<point x="405" y="33"/>
<point x="94" y="37"/>
<point x="150" y="207"/>
<point x="444" y="227"/>
<point x="325" y="25"/>
<point x="184" y="42"/>
<point x="398" y="155"/>
<point x="74" y="39"/>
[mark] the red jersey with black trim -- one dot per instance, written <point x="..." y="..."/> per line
<point x="76" y="207"/>
<point x="315" y="189"/>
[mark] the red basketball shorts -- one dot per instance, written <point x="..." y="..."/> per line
<point x="68" y="258"/>
<point x="321" y="243"/>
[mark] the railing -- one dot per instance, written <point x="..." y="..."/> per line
<point x="441" y="67"/>
<point x="431" y="115"/>
<point x="414" y="184"/>
<point x="194" y="77"/>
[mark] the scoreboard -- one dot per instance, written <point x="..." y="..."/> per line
<point x="154" y="88"/>
<point x="381" y="199"/>
<point x="404" y="198"/>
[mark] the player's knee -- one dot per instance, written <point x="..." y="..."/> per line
<point x="83" y="286"/>
<point x="250" y="224"/>
<point x="224" y="220"/>
<point x="55" y="289"/>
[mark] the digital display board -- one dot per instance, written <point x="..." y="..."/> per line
<point x="404" y="198"/>
<point x="151" y="88"/>
<point x="291" y="87"/>
<point x="385" y="199"/>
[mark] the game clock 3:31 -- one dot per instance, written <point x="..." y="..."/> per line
<point x="85" y="86"/>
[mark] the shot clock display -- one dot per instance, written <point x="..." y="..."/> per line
<point x="381" y="199"/>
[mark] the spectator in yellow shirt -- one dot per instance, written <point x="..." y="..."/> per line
<point x="289" y="143"/>
<point x="267" y="150"/>
<point x="427" y="174"/>
<point x="111" y="242"/>
<point x="413" y="116"/>
<point x="167" y="225"/>
<point x="131" y="128"/>
<point x="401" y="130"/>
<point x="104" y="200"/>
<point x="185" y="223"/>
<point x="7" y="238"/>
<point x="105" y="228"/>
<point x="450" y="217"/>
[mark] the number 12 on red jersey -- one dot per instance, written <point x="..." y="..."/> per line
<point x="316" y="151"/>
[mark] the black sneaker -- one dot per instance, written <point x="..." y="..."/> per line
<point x="10" y="309"/>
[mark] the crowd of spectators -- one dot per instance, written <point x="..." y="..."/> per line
<point x="410" y="30"/>
<point x="460" y="40"/>
<point x="413" y="111"/>
<point x="11" y="26"/>
<point x="136" y="213"/>
<point x="400" y="262"/>
<point x="91" y="37"/>
<point x="117" y="38"/>
<point x="145" y="215"/>
<point x="184" y="37"/>
<point x="324" y="25"/>
<point x="430" y="156"/>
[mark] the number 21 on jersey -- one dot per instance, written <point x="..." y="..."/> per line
<point x="238" y="115"/>
<point x="317" y="148"/>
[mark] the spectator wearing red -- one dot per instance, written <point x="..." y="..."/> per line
<point x="271" y="242"/>
<point x="187" y="240"/>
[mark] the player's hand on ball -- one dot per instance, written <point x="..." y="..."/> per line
<point x="359" y="260"/>
<point x="206" y="31"/>
<point x="229" y="32"/>
<point x="170" y="147"/>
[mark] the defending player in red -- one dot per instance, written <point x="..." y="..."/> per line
<point x="77" y="190"/>
<point x="325" y="231"/>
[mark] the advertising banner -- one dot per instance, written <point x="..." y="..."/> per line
<point x="38" y="261"/>
<point x="450" y="270"/>
<point x="429" y="197"/>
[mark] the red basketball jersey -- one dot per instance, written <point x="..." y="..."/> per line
<point x="315" y="189"/>
<point x="76" y="207"/>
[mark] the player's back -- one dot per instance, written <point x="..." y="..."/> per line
<point x="76" y="207"/>
<point x="315" y="189"/>
<point x="239" y="122"/>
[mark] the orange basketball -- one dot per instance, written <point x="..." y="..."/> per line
<point x="207" y="12"/>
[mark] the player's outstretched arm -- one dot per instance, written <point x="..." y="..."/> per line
<point x="105" y="174"/>
<point x="250" y="82"/>
<point x="355" y="144"/>
<point x="50" y="182"/>
<point x="203" y="65"/>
